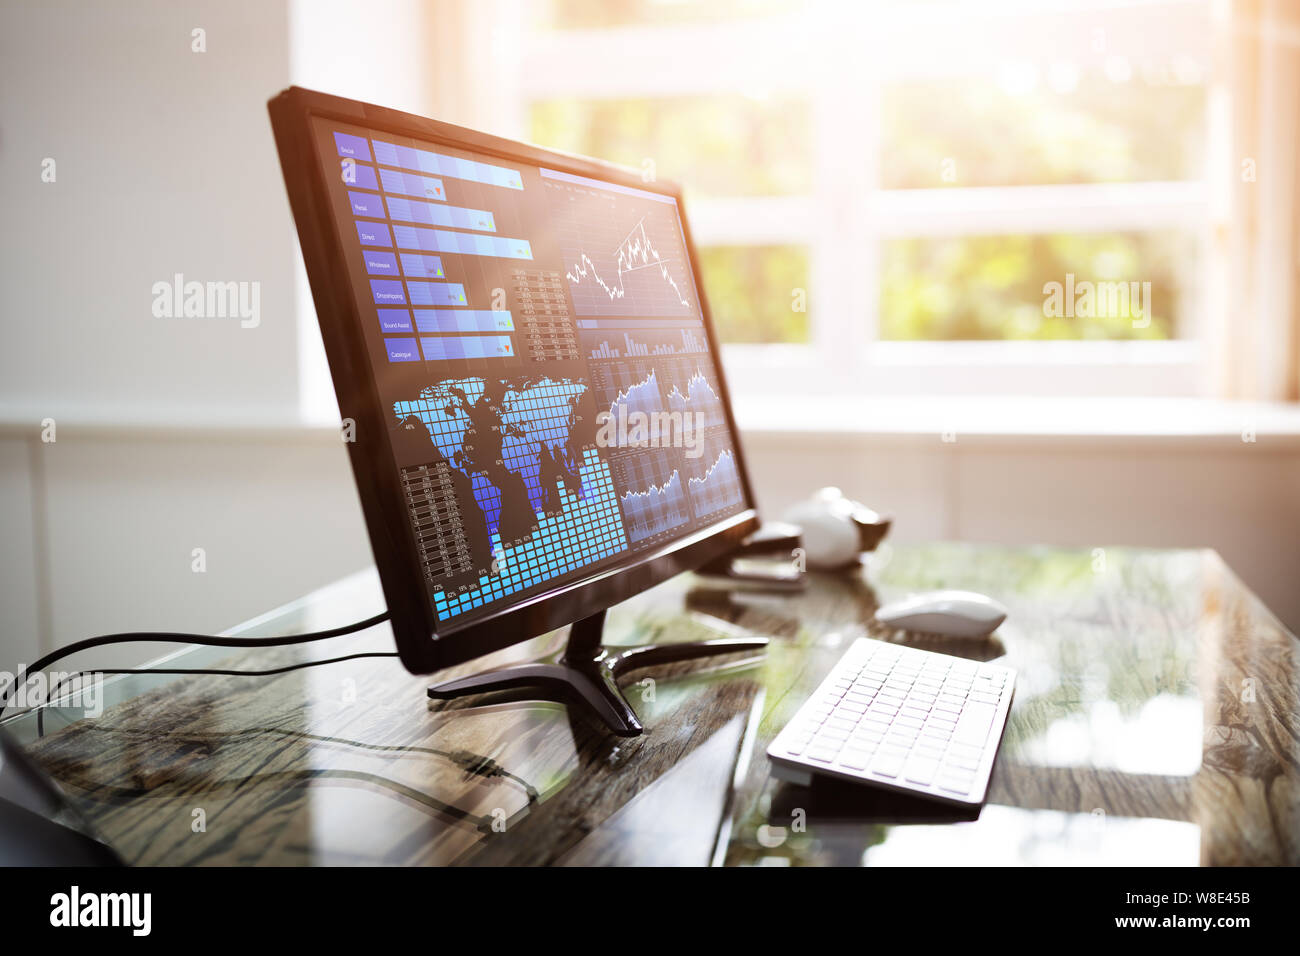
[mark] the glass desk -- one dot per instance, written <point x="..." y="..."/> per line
<point x="1154" y="722"/>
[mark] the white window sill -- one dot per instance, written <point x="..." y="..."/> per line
<point x="1066" y="369"/>
<point x="961" y="419"/>
<point x="923" y="417"/>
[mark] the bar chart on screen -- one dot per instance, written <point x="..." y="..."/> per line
<point x="603" y="342"/>
<point x="396" y="211"/>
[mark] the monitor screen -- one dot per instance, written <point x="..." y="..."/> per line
<point x="539" y="351"/>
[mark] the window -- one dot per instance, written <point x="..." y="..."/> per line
<point x="885" y="193"/>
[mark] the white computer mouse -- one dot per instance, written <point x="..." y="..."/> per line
<point x="950" y="613"/>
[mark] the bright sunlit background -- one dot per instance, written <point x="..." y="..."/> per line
<point x="880" y="192"/>
<point x="949" y="98"/>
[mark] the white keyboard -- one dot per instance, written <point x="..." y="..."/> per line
<point x="900" y="718"/>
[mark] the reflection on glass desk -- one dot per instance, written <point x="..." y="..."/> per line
<point x="1154" y="722"/>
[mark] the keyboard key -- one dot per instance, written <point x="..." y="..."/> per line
<point x="921" y="769"/>
<point x="855" y="759"/>
<point x="822" y="754"/>
<point x="888" y="764"/>
<point x="867" y="747"/>
<point x="973" y="725"/>
<point x="928" y="747"/>
<point x="960" y="785"/>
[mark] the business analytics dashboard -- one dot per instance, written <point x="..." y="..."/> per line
<point x="539" y="347"/>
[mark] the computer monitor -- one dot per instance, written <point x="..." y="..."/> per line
<point x="529" y="381"/>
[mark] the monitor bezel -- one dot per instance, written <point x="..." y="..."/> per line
<point x="422" y="645"/>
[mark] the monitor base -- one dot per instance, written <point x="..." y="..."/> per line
<point x="587" y="672"/>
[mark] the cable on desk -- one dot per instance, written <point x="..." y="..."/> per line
<point x="167" y="637"/>
<point x="216" y="671"/>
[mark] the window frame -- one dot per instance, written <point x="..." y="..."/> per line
<point x="861" y="48"/>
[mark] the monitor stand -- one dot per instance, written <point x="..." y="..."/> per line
<point x="587" y="672"/>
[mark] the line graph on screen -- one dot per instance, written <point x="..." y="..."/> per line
<point x="623" y="255"/>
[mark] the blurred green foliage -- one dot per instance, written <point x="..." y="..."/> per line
<point x="750" y="292"/>
<point x="1107" y="128"/>
<point x="1101" y="131"/>
<point x="991" y="287"/>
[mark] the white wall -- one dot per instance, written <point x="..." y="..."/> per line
<point x="21" y="638"/>
<point x="1242" y="500"/>
<point x="99" y="531"/>
<point x="165" y="164"/>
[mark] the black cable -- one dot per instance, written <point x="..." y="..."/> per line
<point x="219" y="672"/>
<point x="472" y="763"/>
<point x="166" y="637"/>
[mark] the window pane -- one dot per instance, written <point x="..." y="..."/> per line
<point x="752" y="292"/>
<point x="1095" y="127"/>
<point x="993" y="287"/>
<point x="715" y="145"/>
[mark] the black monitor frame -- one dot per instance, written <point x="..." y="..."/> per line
<point x="422" y="644"/>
